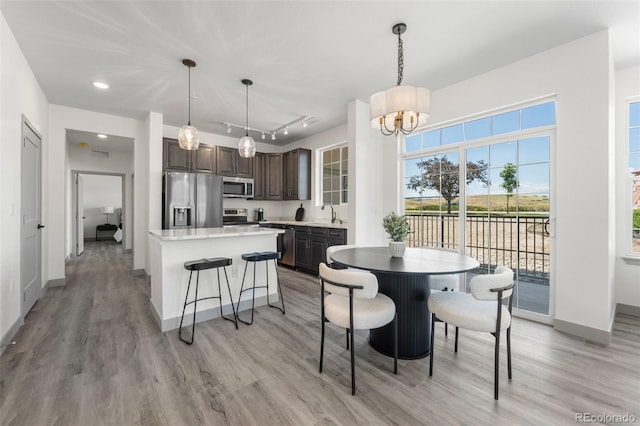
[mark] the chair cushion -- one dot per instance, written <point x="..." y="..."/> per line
<point x="463" y="310"/>
<point x="202" y="264"/>
<point x="367" y="313"/>
<point x="367" y="280"/>
<point x="258" y="256"/>
<point x="481" y="285"/>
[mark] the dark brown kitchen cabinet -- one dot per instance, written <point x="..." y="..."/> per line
<point x="230" y="163"/>
<point x="259" y="176"/>
<point x="273" y="177"/>
<point x="175" y="158"/>
<point x="297" y="174"/>
<point x="205" y="159"/>
<point x="312" y="243"/>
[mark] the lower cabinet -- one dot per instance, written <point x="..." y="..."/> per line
<point x="312" y="243"/>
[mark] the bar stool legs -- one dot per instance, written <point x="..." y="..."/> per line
<point x="197" y="266"/>
<point x="254" y="258"/>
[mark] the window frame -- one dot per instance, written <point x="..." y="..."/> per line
<point x="630" y="179"/>
<point x="320" y="174"/>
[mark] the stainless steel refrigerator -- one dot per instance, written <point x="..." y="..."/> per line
<point x="191" y="200"/>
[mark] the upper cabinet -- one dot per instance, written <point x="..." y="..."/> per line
<point x="273" y="176"/>
<point x="205" y="159"/>
<point x="276" y="176"/>
<point x="176" y="158"/>
<point x="230" y="163"/>
<point x="297" y="174"/>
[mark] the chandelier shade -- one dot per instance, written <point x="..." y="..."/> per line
<point x="400" y="109"/>
<point x="188" y="135"/>
<point x="246" y="144"/>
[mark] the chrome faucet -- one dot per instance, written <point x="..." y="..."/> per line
<point x="333" y="214"/>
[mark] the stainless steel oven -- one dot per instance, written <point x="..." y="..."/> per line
<point x="235" y="187"/>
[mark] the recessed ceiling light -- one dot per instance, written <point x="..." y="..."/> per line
<point x="101" y="136"/>
<point x="100" y="84"/>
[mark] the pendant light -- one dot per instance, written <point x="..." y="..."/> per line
<point x="400" y="109"/>
<point x="188" y="136"/>
<point x="246" y="144"/>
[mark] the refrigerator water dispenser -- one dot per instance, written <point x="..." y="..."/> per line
<point x="182" y="216"/>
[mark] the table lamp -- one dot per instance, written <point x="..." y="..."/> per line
<point x="107" y="210"/>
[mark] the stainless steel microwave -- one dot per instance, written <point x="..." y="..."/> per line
<point x="235" y="187"/>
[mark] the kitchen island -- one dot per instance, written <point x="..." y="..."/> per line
<point x="170" y="248"/>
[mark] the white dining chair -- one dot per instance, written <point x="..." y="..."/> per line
<point x="332" y="249"/>
<point x="354" y="303"/>
<point x="444" y="282"/>
<point x="482" y="310"/>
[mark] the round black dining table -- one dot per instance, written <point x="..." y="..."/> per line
<point x="406" y="281"/>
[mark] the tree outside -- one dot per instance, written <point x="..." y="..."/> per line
<point x="509" y="180"/>
<point x="441" y="175"/>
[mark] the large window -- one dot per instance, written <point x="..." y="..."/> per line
<point x="335" y="183"/>
<point x="499" y="124"/>
<point x="634" y="173"/>
<point x="488" y="196"/>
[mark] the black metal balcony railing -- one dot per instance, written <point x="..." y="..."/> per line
<point x="518" y="241"/>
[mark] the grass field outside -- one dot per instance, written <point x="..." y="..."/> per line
<point x="518" y="240"/>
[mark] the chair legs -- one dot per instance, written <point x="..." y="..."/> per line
<point x="195" y="304"/>
<point x="509" y="351"/>
<point x="184" y="307"/>
<point x="253" y="290"/>
<point x="351" y="348"/>
<point x="395" y="344"/>
<point x="497" y="366"/>
<point x="433" y="329"/>
<point x="456" y="344"/>
<point x="496" y="355"/>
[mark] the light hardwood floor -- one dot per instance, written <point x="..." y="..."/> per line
<point x="90" y="353"/>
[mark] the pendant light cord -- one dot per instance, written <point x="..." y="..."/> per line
<point x="400" y="58"/>
<point x="246" y="122"/>
<point x="189" y="121"/>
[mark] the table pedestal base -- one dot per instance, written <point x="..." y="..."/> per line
<point x="410" y="292"/>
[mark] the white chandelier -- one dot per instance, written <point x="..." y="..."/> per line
<point x="400" y="109"/>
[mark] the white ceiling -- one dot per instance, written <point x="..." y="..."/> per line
<point x="111" y="142"/>
<point x="306" y="58"/>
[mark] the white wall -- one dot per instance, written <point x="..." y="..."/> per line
<point x="20" y="94"/>
<point x="100" y="191"/>
<point x="62" y="118"/>
<point x="627" y="272"/>
<point x="578" y="73"/>
<point x="120" y="162"/>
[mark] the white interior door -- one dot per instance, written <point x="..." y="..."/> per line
<point x="31" y="282"/>
<point x="79" y="215"/>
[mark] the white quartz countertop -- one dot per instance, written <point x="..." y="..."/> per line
<point x="303" y="223"/>
<point x="204" y="233"/>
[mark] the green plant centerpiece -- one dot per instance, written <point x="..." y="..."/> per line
<point x="397" y="228"/>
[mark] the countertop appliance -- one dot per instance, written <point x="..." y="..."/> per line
<point x="236" y="217"/>
<point x="191" y="200"/>
<point x="259" y="214"/>
<point x="235" y="187"/>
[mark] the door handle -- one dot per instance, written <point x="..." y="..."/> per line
<point x="40" y="226"/>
